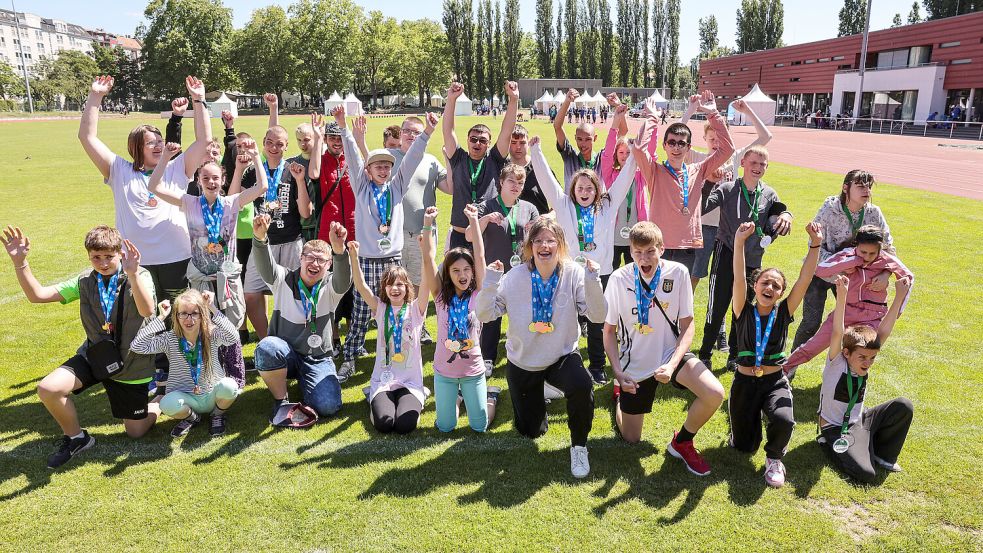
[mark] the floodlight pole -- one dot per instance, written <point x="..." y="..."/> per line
<point x="23" y="60"/>
<point x="863" y="65"/>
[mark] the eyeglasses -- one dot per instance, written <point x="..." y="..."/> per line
<point x="411" y="132"/>
<point x="154" y="143"/>
<point x="189" y="316"/>
<point x="315" y="259"/>
<point x="478" y="140"/>
<point x="676" y="143"/>
<point x="548" y="242"/>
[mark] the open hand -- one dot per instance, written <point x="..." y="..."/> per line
<point x="195" y="87"/>
<point x="317" y="122"/>
<point x="102" y="85"/>
<point x="131" y="258"/>
<point x="338" y="112"/>
<point x="17" y="244"/>
<point x="707" y="103"/>
<point x="880" y="282"/>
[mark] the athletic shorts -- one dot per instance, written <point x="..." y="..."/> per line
<point x="411" y="258"/>
<point x="641" y="401"/>
<point x="701" y="265"/>
<point x="127" y="401"/>
<point x="286" y="255"/>
<point x="685" y="256"/>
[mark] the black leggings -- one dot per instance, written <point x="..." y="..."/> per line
<point x="396" y="411"/>
<point x="721" y="292"/>
<point x="622" y="256"/>
<point x="529" y="407"/>
<point x="882" y="431"/>
<point x="243" y="247"/>
<point x="749" y="395"/>
<point x="491" y="334"/>
<point x="595" y="338"/>
<point x="170" y="279"/>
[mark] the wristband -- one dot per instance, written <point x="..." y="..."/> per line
<point x="24" y="266"/>
<point x="428" y="227"/>
<point x="816" y="246"/>
<point x="202" y="102"/>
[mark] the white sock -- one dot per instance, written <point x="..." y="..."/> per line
<point x="79" y="435"/>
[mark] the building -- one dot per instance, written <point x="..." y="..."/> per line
<point x="130" y="45"/>
<point x="531" y="89"/>
<point x="912" y="71"/>
<point x="38" y="37"/>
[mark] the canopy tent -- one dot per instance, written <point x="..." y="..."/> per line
<point x="545" y="101"/>
<point x="586" y="100"/>
<point x="464" y="105"/>
<point x="762" y="105"/>
<point x="353" y="106"/>
<point x="560" y="96"/>
<point x="220" y="104"/>
<point x="659" y="100"/>
<point x="436" y="100"/>
<point x="332" y="102"/>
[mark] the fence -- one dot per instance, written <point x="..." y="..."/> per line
<point x="909" y="127"/>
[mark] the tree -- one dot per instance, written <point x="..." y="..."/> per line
<point x="643" y="23"/>
<point x="459" y="26"/>
<point x="497" y="57"/>
<point x="673" y="8"/>
<point x="659" y="45"/>
<point x="186" y="37"/>
<point x="479" y="86"/>
<point x="774" y="24"/>
<point x="558" y="60"/>
<point x="528" y="59"/>
<point x="68" y="75"/>
<point x="424" y="63"/>
<point x="760" y="25"/>
<point x="571" y="49"/>
<point x="512" y="39"/>
<point x="607" y="44"/>
<point x="587" y="37"/>
<point x="11" y="84"/>
<point x="708" y="35"/>
<point x="125" y="71"/>
<point x="687" y="80"/>
<point x="327" y="62"/>
<point x="938" y="9"/>
<point x="896" y="21"/>
<point x="545" y="45"/>
<point x="915" y="15"/>
<point x="376" y="52"/>
<point x="852" y="16"/>
<point x="260" y="54"/>
<point x="626" y="41"/>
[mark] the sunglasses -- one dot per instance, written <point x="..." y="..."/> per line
<point x="478" y="140"/>
<point x="676" y="143"/>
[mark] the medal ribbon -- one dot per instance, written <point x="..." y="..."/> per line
<point x="684" y="185"/>
<point x="213" y="219"/>
<point x="475" y="172"/>
<point x="644" y="296"/>
<point x="510" y="217"/>
<point x="383" y="203"/>
<point x="146" y="180"/>
<point x="585" y="226"/>
<point x="860" y="218"/>
<point x="853" y="400"/>
<point x="584" y="164"/>
<point x="457" y="317"/>
<point x="108" y="293"/>
<point x="753" y="206"/>
<point x="761" y="340"/>
<point x="193" y="357"/>
<point x="394" y="331"/>
<point x="273" y="183"/>
<point x="542" y="296"/>
<point x="308" y="300"/>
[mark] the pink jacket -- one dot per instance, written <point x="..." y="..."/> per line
<point x="649" y="139"/>
<point x="847" y="259"/>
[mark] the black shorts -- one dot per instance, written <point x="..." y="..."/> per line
<point x="641" y="401"/>
<point x="127" y="401"/>
<point x="686" y="256"/>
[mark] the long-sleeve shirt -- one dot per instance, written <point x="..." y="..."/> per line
<point x="578" y="292"/>
<point x="155" y="338"/>
<point x="734" y="210"/>
<point x="289" y="320"/>
<point x="635" y="207"/>
<point x="367" y="219"/>
<point x="337" y="203"/>
<point x="730" y="170"/>
<point x="604" y="217"/>
<point x="680" y="231"/>
<point x="838" y="232"/>
<point x="858" y="293"/>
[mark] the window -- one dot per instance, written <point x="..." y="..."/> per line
<point x="837" y="58"/>
<point x="821" y="60"/>
<point x="728" y="84"/>
<point x="779" y="65"/>
<point x="810" y="61"/>
<point x="793" y="80"/>
<point x="960" y="62"/>
<point x="949" y="44"/>
<point x="744" y="69"/>
<point x="731" y="74"/>
<point x="796" y="63"/>
<point x="844" y="66"/>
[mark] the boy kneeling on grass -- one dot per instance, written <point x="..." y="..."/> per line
<point x="859" y="439"/>
<point x="109" y="325"/>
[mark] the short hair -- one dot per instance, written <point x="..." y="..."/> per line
<point x="243" y="134"/>
<point x="480" y="129"/>
<point x="756" y="149"/>
<point x="413" y="119"/>
<point x="758" y="273"/>
<point x="134" y="144"/>
<point x="860" y="336"/>
<point x="646" y="233"/>
<point x="393" y="274"/>
<point x="103" y="238"/>
<point x="870" y="234"/>
<point x="392" y="131"/>
<point x="319" y="246"/>
<point x="678" y="128"/>
<point x="856" y="176"/>
<point x="510" y="169"/>
<point x="708" y="126"/>
<point x="587" y="128"/>
<point x="304" y="128"/>
<point x="520" y="132"/>
<point x="276" y="129"/>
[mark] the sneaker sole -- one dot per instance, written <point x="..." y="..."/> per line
<point x="672" y="451"/>
<point x="91" y="442"/>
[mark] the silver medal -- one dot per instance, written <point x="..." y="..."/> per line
<point x="228" y="266"/>
<point x="625" y="232"/>
<point x="765" y="241"/>
<point x="386" y="377"/>
<point x="202" y="242"/>
<point x="385" y="244"/>
<point x="684" y="210"/>
<point x="841" y="444"/>
<point x="582" y="260"/>
<point x="315" y="341"/>
<point x="515" y="261"/>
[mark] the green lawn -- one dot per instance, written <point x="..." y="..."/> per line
<point x="341" y="486"/>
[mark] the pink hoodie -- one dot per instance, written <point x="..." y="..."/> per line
<point x="650" y="133"/>
<point x="847" y="259"/>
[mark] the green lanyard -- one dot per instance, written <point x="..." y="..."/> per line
<point x="510" y="216"/>
<point x="475" y="172"/>
<point x="853" y="400"/>
<point x="752" y="206"/>
<point x="311" y="296"/>
<point x="630" y="200"/>
<point x="860" y="218"/>
<point x="389" y="329"/>
<point x="584" y="164"/>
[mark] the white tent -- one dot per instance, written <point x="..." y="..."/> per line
<point x="464" y="105"/>
<point x="332" y="102"/>
<point x="220" y="104"/>
<point x="600" y="99"/>
<point x="659" y="99"/>
<point x="353" y="106"/>
<point x="585" y="100"/>
<point x="436" y="100"/>
<point x="545" y="101"/>
<point x="560" y="96"/>
<point x="762" y="105"/>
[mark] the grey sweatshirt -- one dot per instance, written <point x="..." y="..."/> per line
<point x="734" y="210"/>
<point x="578" y="292"/>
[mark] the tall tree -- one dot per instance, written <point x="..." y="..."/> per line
<point x="454" y="29"/>
<point x="626" y="45"/>
<point x="10" y="84"/>
<point x="328" y="63"/>
<point x="125" y="71"/>
<point x="424" y="58"/>
<point x="261" y="56"/>
<point x="937" y="9"/>
<point x="774" y="24"/>
<point x="588" y="37"/>
<point x="571" y="48"/>
<point x="512" y="39"/>
<point x="660" y="21"/>
<point x="71" y="74"/>
<point x="480" y="86"/>
<point x="376" y="53"/>
<point x="643" y="22"/>
<point x="498" y="60"/>
<point x="558" y="60"/>
<point x="185" y="37"/>
<point x="851" y="17"/>
<point x="545" y="45"/>
<point x="708" y="35"/>
<point x="673" y="8"/>
<point x="896" y="21"/>
<point x="760" y="24"/>
<point x="915" y="15"/>
<point x="607" y="44"/>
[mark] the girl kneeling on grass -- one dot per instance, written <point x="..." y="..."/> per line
<point x="197" y="384"/>
<point x="760" y="331"/>
<point x="457" y="364"/>
<point x="396" y="393"/>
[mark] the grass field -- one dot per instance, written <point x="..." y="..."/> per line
<point x="342" y="486"/>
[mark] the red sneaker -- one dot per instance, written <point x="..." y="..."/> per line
<point x="685" y="451"/>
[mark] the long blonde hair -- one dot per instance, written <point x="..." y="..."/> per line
<point x="194" y="297"/>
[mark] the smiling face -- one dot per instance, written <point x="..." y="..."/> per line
<point x="769" y="287"/>
<point x="210" y="180"/>
<point x="314" y="262"/>
<point x="860" y="360"/>
<point x="584" y="137"/>
<point x="153" y="147"/>
<point x="677" y="146"/>
<point x="857" y="192"/>
<point x="379" y="171"/>
<point x="188" y="316"/>
<point x="621" y="154"/>
<point x="710" y="136"/>
<point x="584" y="191"/>
<point x="646" y="257"/>
<point x="754" y="165"/>
<point x="478" y="142"/>
<point x="335" y="145"/>
<point x="105" y="262"/>
<point x="275" y="143"/>
<point x="461" y="274"/>
<point x="411" y="129"/>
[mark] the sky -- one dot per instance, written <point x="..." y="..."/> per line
<point x="805" y="20"/>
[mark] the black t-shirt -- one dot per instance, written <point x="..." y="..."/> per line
<point x="484" y="187"/>
<point x="532" y="193"/>
<point x="498" y="240"/>
<point x="745" y="337"/>
<point x="285" y="224"/>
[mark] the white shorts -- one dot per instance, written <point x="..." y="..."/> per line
<point x="286" y="255"/>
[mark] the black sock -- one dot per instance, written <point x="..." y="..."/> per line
<point x="684" y="435"/>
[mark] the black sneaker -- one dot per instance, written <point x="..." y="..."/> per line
<point x="425" y="337"/>
<point x="583" y="329"/>
<point x="217" y="427"/>
<point x="598" y="376"/>
<point x="722" y="343"/>
<point x="184" y="426"/>
<point x="68" y="448"/>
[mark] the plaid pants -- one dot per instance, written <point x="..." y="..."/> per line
<point x="372" y="270"/>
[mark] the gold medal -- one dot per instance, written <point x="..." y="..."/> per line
<point x="105" y="326"/>
<point x="197" y="390"/>
<point x="759" y="372"/>
<point x="399" y="357"/>
<point x="467" y="344"/>
<point x="152" y="202"/>
<point x="533" y="327"/>
<point x="547" y="328"/>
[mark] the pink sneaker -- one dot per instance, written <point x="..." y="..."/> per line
<point x="685" y="451"/>
<point x="774" y="473"/>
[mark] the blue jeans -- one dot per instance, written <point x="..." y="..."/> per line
<point x="318" y="380"/>
<point x="475" y="392"/>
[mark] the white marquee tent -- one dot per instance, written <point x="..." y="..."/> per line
<point x="762" y="105"/>
<point x="545" y="101"/>
<point x="220" y="104"/>
<point x="436" y="100"/>
<point x="332" y="102"/>
<point x="464" y="105"/>
<point x="659" y="99"/>
<point x="353" y="106"/>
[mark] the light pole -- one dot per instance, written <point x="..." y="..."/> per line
<point x="23" y="60"/>
<point x="863" y="65"/>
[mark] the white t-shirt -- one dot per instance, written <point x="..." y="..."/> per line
<point x="159" y="232"/>
<point x="642" y="354"/>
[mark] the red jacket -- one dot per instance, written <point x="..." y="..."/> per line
<point x="339" y="205"/>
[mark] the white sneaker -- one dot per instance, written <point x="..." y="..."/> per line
<point x="890" y="467"/>
<point x="489" y="367"/>
<point x="579" y="466"/>
<point x="346" y="371"/>
<point x="774" y="473"/>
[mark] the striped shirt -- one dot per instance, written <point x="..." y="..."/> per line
<point x="155" y="338"/>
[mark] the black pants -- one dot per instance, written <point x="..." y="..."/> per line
<point x="595" y="338"/>
<point x="491" y="334"/>
<point x="813" y="305"/>
<point x="622" y="256"/>
<point x="882" y="431"/>
<point x="749" y="395"/>
<point x="170" y="279"/>
<point x="396" y="411"/>
<point x="243" y="247"/>
<point x="529" y="407"/>
<point x="457" y="240"/>
<point x="721" y="292"/>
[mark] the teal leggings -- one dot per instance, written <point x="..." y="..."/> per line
<point x="474" y="390"/>
<point x="173" y="404"/>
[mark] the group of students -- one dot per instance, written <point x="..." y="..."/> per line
<point x="613" y="251"/>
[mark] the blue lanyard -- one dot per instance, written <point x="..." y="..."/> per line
<point x="457" y="317"/>
<point x="146" y="180"/>
<point x="308" y="300"/>
<point x="190" y="355"/>
<point x="107" y="293"/>
<point x="684" y="185"/>
<point x="542" y="296"/>
<point x="381" y="195"/>
<point x="213" y="218"/>
<point x="394" y="328"/>
<point x="643" y="298"/>
<point x="761" y="340"/>
<point x="273" y="183"/>
<point x="585" y="225"/>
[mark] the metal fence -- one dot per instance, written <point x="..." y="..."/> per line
<point x="907" y="127"/>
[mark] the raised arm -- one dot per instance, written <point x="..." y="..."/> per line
<point x="341" y="266"/>
<point x="508" y="122"/>
<point x="621" y="123"/>
<point x="561" y="136"/>
<point x="250" y="154"/>
<point x="100" y="154"/>
<point x="450" y="139"/>
<point x="607" y="157"/>
<point x="622" y="184"/>
<point x="739" y="291"/>
<point x="547" y="181"/>
<point x="273" y="103"/>
<point x="195" y="156"/>
<point x="152" y="338"/>
<point x="172" y="132"/>
<point x="725" y="144"/>
<point x="353" y="157"/>
<point x="267" y="268"/>
<point x="359" y="131"/>
<point x="143" y="288"/>
<point x="314" y="167"/>
<point x="428" y="282"/>
<point x="490" y="305"/>
<point x="18" y="245"/>
<point x="764" y="135"/>
<point x="360" y="285"/>
<point x="645" y="165"/>
<point x="169" y="194"/>
<point x="902" y="288"/>
<point x="694" y="102"/>
<point x="414" y="156"/>
<point x="808" y="268"/>
<point x="474" y="228"/>
<point x="299" y="175"/>
<point x="839" y="317"/>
